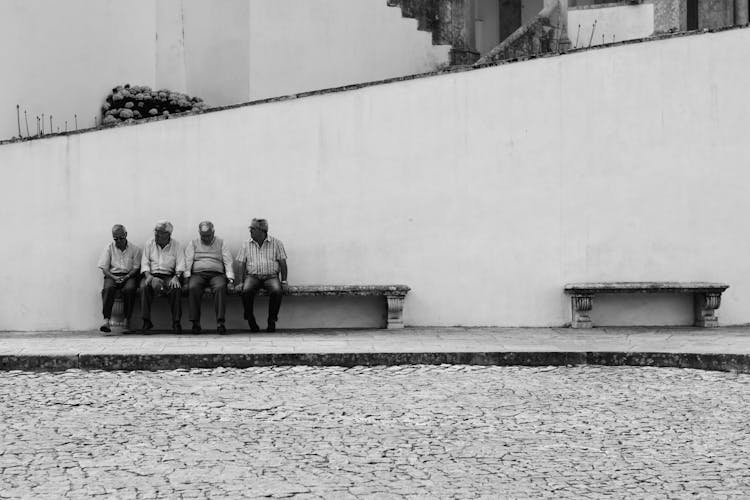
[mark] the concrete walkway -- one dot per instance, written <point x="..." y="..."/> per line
<point x="726" y="348"/>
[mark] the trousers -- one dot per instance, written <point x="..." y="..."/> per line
<point x="127" y="288"/>
<point x="159" y="286"/>
<point x="250" y="288"/>
<point x="197" y="284"/>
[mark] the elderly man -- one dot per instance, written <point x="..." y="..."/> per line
<point x="208" y="262"/>
<point x="121" y="264"/>
<point x="163" y="264"/>
<point x="262" y="258"/>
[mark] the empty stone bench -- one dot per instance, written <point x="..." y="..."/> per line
<point x="394" y="296"/>
<point x="707" y="298"/>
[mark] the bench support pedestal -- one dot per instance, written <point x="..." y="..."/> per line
<point x="706" y="305"/>
<point x="395" y="312"/>
<point x="581" y="305"/>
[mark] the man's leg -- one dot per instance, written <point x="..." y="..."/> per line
<point x="196" y="285"/>
<point x="249" y="288"/>
<point x="147" y="298"/>
<point x="219" y="286"/>
<point x="275" y="292"/>
<point x="129" y="289"/>
<point x="109" y="291"/>
<point x="174" y="295"/>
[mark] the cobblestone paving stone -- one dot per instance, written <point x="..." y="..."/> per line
<point x="376" y="433"/>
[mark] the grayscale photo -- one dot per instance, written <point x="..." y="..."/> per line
<point x="375" y="249"/>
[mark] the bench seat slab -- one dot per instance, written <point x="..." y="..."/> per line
<point x="394" y="297"/>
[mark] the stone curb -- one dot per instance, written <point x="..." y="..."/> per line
<point x="738" y="363"/>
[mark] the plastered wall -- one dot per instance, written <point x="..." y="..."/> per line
<point x="485" y="191"/>
<point x="62" y="58"/>
<point x="301" y="45"/>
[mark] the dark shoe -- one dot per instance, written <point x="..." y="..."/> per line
<point x="105" y="327"/>
<point x="271" y="326"/>
<point x="196" y="327"/>
<point x="253" y="326"/>
<point x="177" y="327"/>
<point x="221" y="329"/>
<point x="147" y="325"/>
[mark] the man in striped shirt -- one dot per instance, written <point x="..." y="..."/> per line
<point x="262" y="258"/>
<point x="121" y="264"/>
<point x="208" y="262"/>
<point x="163" y="264"/>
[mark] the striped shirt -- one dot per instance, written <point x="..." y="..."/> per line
<point x="215" y="257"/>
<point x="167" y="260"/>
<point x="118" y="261"/>
<point x="262" y="260"/>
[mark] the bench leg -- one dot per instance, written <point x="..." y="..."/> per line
<point x="581" y="305"/>
<point x="395" y="312"/>
<point x="706" y="305"/>
<point x="117" y="321"/>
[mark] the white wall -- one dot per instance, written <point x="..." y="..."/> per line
<point x="623" y="22"/>
<point x="485" y="191"/>
<point x="63" y="58"/>
<point x="301" y="45"/>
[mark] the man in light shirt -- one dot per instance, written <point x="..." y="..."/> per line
<point x="162" y="265"/>
<point x="208" y="262"/>
<point x="262" y="258"/>
<point x="121" y="264"/>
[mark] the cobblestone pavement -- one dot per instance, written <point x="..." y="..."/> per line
<point x="377" y="433"/>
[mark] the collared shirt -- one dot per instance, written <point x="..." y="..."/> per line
<point x="118" y="261"/>
<point x="262" y="260"/>
<point x="167" y="260"/>
<point x="214" y="257"/>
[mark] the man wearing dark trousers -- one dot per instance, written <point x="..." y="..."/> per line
<point x="262" y="259"/>
<point x="208" y="262"/>
<point x="163" y="264"/>
<point x="121" y="264"/>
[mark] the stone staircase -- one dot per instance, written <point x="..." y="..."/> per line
<point x="445" y="19"/>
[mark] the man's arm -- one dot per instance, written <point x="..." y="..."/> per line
<point x="242" y="259"/>
<point x="146" y="264"/>
<point x="136" y="270"/>
<point x="105" y="263"/>
<point x="189" y="258"/>
<point x="179" y="270"/>
<point x="282" y="265"/>
<point x="226" y="256"/>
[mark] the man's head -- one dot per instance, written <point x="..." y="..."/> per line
<point x="120" y="235"/>
<point x="163" y="232"/>
<point x="206" y="231"/>
<point x="259" y="230"/>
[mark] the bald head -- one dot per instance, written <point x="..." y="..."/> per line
<point x="206" y="231"/>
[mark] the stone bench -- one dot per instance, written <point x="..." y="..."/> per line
<point x="394" y="298"/>
<point x="707" y="298"/>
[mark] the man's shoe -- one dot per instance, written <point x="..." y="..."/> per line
<point x="253" y="326"/>
<point x="147" y="325"/>
<point x="221" y="329"/>
<point x="105" y="327"/>
<point x="177" y="327"/>
<point x="196" y="327"/>
<point x="271" y="326"/>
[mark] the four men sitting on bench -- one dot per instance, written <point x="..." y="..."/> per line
<point x="203" y="262"/>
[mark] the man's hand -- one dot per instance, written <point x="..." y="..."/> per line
<point x="149" y="279"/>
<point x="120" y="279"/>
<point x="175" y="282"/>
